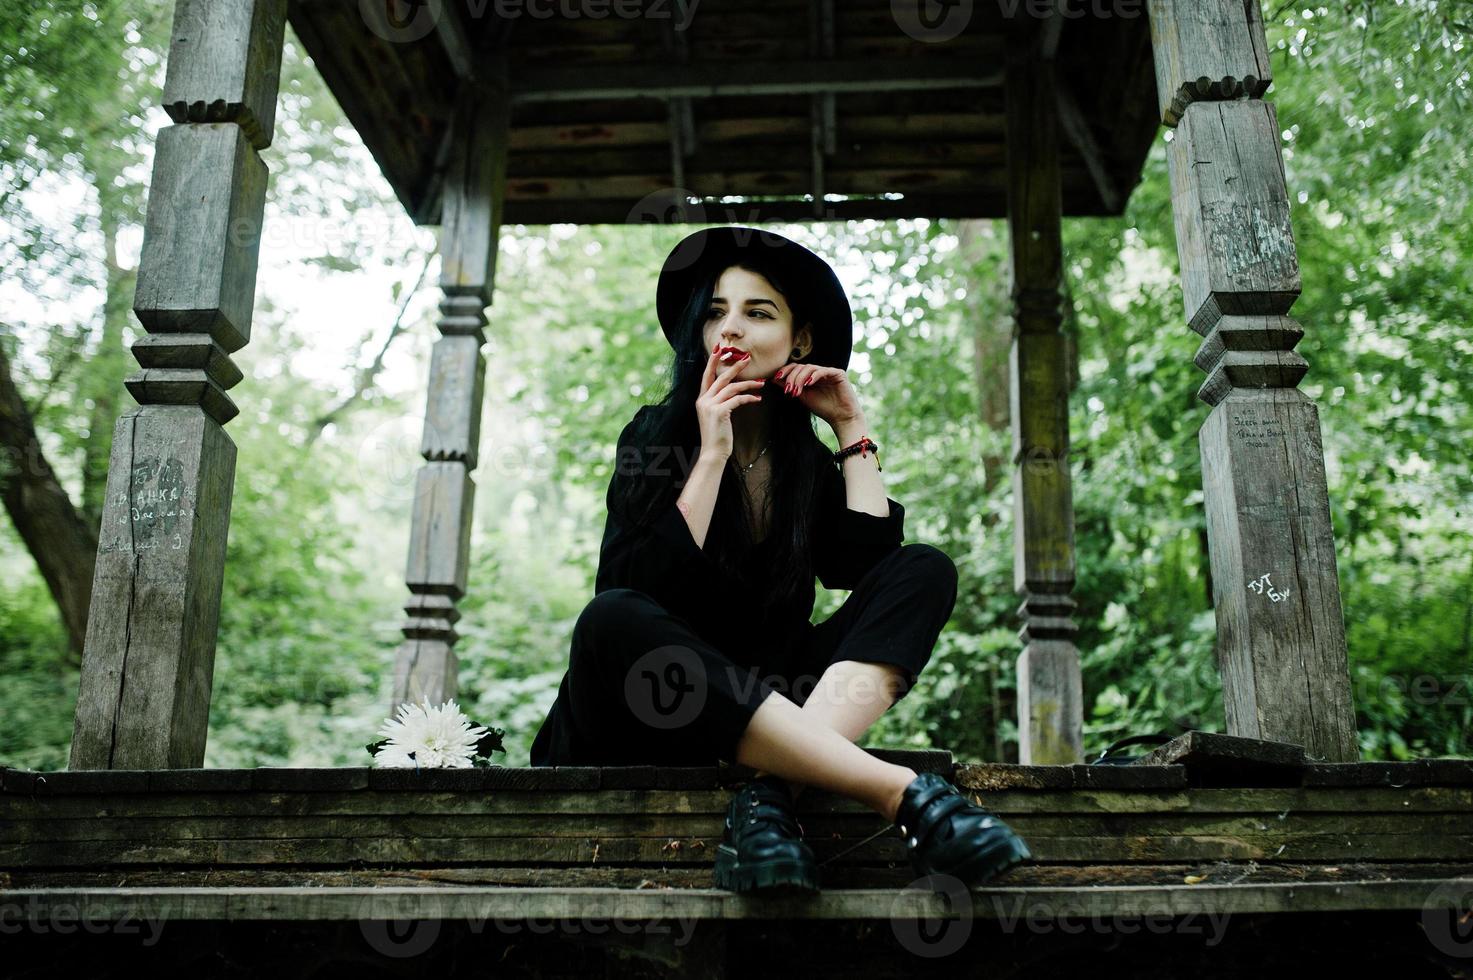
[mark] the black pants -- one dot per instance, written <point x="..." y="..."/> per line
<point x="643" y="688"/>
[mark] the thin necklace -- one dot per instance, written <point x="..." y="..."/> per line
<point x="753" y="463"/>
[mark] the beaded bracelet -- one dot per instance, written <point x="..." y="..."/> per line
<point x="863" y="446"/>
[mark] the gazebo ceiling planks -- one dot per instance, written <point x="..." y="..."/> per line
<point x="918" y="125"/>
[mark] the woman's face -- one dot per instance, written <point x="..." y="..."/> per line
<point x="748" y="314"/>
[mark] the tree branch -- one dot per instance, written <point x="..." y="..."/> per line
<point x="369" y="374"/>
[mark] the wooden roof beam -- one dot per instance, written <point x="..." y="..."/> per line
<point x="1076" y="129"/>
<point x="821" y="104"/>
<point x="681" y="118"/>
<point x="712" y="79"/>
<point x="1071" y="117"/>
<point x="1048" y="38"/>
<point x="456" y="43"/>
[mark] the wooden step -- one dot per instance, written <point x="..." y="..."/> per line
<point x="504" y="817"/>
<point x="478" y="894"/>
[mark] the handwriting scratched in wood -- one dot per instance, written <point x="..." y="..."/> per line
<point x="1263" y="586"/>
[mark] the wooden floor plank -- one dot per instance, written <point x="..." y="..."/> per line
<point x="513" y="903"/>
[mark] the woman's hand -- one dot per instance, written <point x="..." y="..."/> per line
<point x="719" y="395"/>
<point x="824" y="391"/>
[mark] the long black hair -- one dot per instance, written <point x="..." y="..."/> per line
<point x="796" y="453"/>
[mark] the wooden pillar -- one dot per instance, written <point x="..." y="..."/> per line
<point x="149" y="657"/>
<point x="439" y="543"/>
<point x="1050" y="698"/>
<point x="1280" y="629"/>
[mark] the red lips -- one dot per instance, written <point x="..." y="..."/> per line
<point x="726" y="354"/>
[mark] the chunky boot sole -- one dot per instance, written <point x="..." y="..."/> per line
<point x="773" y="874"/>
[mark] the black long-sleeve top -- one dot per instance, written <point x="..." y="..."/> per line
<point x="662" y="560"/>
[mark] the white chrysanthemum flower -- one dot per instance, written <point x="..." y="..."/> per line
<point x="439" y="737"/>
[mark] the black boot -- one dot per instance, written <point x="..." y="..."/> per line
<point x="947" y="834"/>
<point x="762" y="847"/>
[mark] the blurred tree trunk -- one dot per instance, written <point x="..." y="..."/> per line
<point x="106" y="369"/>
<point x="989" y="309"/>
<point x="60" y="540"/>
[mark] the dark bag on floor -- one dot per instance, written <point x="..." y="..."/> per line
<point x="1112" y="756"/>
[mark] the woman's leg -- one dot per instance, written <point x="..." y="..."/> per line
<point x="850" y="697"/>
<point x="645" y="689"/>
<point x="896" y="612"/>
<point x="783" y="739"/>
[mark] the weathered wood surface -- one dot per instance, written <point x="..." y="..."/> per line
<point x="452" y="428"/>
<point x="1050" y="703"/>
<point x="1076" y="126"/>
<point x="425" y="666"/>
<point x="185" y="369"/>
<point x="1250" y="352"/>
<point x="144" y="691"/>
<point x="1207" y="49"/>
<point x="224" y="61"/>
<point x="998" y="901"/>
<point x="439" y="540"/>
<point x="398" y="94"/>
<point x="475" y="187"/>
<point x="202" y="234"/>
<point x="987" y="778"/>
<point x="1281" y="629"/>
<point x="1211" y="759"/>
<point x="1076" y="815"/>
<point x="1229" y="801"/>
<point x="834" y="876"/>
<point x="1050" y="695"/>
<point x="148" y="663"/>
<point x="1231" y="207"/>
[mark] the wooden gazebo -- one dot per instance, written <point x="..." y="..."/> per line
<point x="743" y="113"/>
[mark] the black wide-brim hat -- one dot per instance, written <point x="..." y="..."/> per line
<point x="698" y="253"/>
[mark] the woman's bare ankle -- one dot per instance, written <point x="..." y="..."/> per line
<point x="891" y="806"/>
